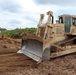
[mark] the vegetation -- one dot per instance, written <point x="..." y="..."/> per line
<point x="17" y="31"/>
<point x="2" y="29"/>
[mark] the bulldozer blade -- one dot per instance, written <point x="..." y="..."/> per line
<point x="33" y="48"/>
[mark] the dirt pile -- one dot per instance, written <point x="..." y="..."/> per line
<point x="12" y="63"/>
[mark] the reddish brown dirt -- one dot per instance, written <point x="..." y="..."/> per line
<point x="12" y="63"/>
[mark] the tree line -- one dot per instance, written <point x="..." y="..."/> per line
<point x="17" y="31"/>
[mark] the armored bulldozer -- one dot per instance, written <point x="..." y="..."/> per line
<point x="51" y="40"/>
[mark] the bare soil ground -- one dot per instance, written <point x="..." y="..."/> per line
<point x="12" y="63"/>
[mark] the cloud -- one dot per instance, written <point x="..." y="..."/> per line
<point x="14" y="22"/>
<point x="30" y="18"/>
<point x="10" y="6"/>
<point x="56" y="2"/>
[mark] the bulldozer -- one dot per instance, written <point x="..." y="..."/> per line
<point x="52" y="39"/>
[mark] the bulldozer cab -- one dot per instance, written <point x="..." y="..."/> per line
<point x="69" y="22"/>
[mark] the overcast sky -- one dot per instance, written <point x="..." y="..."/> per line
<point x="25" y="13"/>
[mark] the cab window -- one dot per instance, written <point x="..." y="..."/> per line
<point x="60" y="20"/>
<point x="74" y="21"/>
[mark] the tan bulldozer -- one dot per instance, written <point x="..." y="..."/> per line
<point x="51" y="40"/>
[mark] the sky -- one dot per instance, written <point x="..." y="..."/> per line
<point x="26" y="13"/>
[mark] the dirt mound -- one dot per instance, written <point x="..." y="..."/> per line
<point x="12" y="63"/>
